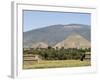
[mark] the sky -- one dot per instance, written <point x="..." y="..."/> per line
<point x="38" y="19"/>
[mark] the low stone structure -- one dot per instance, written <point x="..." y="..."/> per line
<point x="87" y="55"/>
<point x="31" y="58"/>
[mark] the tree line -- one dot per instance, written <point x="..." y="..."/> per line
<point x="58" y="54"/>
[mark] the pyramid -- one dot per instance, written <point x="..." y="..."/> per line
<point x="39" y="45"/>
<point x="74" y="41"/>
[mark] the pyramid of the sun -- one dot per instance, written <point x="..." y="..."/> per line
<point x="74" y="41"/>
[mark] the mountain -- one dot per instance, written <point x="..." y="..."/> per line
<point x="53" y="34"/>
<point x="74" y="41"/>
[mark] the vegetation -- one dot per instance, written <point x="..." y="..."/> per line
<point x="55" y="58"/>
<point x="58" y="54"/>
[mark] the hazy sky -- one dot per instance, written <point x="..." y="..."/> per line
<point x="39" y="19"/>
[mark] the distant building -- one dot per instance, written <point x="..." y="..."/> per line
<point x="39" y="45"/>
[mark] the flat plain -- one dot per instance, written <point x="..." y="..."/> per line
<point x="56" y="64"/>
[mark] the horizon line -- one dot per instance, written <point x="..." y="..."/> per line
<point x="55" y="25"/>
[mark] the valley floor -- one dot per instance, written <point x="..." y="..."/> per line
<point x="56" y="64"/>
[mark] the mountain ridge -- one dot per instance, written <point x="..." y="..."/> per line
<point x="54" y="34"/>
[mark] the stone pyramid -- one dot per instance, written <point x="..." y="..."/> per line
<point x="74" y="41"/>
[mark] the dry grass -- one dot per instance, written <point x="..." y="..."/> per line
<point x="55" y="64"/>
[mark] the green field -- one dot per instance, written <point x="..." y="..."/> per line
<point x="55" y="64"/>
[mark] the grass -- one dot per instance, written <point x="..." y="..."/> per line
<point x="55" y="64"/>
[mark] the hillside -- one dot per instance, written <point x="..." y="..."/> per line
<point x="53" y="34"/>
